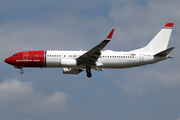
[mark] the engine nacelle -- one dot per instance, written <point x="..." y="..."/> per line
<point x="68" y="62"/>
<point x="71" y="71"/>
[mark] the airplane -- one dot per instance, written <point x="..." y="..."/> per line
<point x="74" y="62"/>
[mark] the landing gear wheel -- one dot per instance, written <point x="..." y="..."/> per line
<point x="21" y="71"/>
<point x="89" y="75"/>
<point x="88" y="71"/>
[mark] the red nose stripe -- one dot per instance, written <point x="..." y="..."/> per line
<point x="27" y="59"/>
<point x="7" y="60"/>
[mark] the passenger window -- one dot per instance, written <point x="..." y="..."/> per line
<point x="14" y="55"/>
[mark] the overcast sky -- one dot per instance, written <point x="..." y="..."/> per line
<point x="150" y="92"/>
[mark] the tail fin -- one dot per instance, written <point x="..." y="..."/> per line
<point x="160" y="41"/>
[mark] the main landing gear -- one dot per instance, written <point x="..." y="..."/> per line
<point x="88" y="71"/>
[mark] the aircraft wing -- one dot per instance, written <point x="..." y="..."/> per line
<point x="91" y="56"/>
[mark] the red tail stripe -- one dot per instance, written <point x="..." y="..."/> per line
<point x="169" y="25"/>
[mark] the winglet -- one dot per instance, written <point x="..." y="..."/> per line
<point x="169" y="25"/>
<point x="110" y="35"/>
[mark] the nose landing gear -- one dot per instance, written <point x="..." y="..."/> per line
<point x="19" y="67"/>
<point x="21" y="71"/>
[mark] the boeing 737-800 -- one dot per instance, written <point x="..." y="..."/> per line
<point x="73" y="62"/>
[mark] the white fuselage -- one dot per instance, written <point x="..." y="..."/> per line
<point x="107" y="59"/>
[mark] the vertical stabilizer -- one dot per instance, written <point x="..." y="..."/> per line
<point x="160" y="41"/>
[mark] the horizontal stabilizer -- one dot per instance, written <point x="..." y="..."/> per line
<point x="165" y="52"/>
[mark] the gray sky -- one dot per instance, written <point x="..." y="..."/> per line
<point x="148" y="92"/>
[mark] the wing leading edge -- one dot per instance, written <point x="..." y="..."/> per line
<point x="91" y="56"/>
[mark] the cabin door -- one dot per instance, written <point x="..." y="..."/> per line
<point x="141" y="57"/>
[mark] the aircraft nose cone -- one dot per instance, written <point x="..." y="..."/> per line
<point x="8" y="60"/>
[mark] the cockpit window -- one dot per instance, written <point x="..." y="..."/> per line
<point x="14" y="55"/>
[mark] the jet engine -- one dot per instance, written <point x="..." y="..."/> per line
<point x="71" y="71"/>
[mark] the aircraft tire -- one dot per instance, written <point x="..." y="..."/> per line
<point x="88" y="70"/>
<point x="89" y="75"/>
<point x="21" y="71"/>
